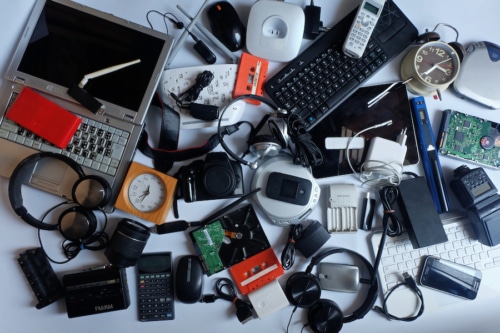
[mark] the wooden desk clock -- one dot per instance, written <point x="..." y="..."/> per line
<point x="146" y="193"/>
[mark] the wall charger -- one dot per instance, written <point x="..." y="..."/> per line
<point x="384" y="152"/>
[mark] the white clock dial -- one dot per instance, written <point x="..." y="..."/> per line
<point x="147" y="192"/>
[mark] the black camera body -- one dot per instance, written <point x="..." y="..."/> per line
<point x="216" y="177"/>
<point x="478" y="195"/>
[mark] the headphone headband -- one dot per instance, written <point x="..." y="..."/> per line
<point x="372" y="291"/>
<point x="24" y="170"/>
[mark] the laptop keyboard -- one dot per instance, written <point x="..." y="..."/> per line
<point x="322" y="77"/>
<point x="400" y="256"/>
<point x="94" y="145"/>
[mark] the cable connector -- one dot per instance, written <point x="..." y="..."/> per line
<point x="410" y="281"/>
<point x="243" y="310"/>
<point x="210" y="298"/>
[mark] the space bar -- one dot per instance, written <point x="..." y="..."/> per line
<point x="346" y="90"/>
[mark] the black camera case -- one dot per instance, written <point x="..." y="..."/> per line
<point x="216" y="177"/>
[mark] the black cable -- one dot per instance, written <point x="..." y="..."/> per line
<point x="306" y="152"/>
<point x="392" y="227"/>
<point x="410" y="283"/>
<point x="72" y="248"/>
<point x="288" y="254"/>
<point x="189" y="96"/>
<point x="226" y="290"/>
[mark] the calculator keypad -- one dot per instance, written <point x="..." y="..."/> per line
<point x="156" y="297"/>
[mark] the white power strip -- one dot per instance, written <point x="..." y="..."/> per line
<point x="219" y="92"/>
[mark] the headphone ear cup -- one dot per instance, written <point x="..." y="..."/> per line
<point x="325" y="316"/>
<point x="77" y="223"/>
<point x="264" y="145"/>
<point x="430" y="36"/>
<point x="91" y="192"/>
<point x="303" y="289"/>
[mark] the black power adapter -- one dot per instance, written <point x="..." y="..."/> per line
<point x="419" y="213"/>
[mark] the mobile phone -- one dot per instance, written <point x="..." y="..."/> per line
<point x="362" y="27"/>
<point x="449" y="277"/>
<point x="155" y="291"/>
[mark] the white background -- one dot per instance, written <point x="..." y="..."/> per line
<point x="475" y="20"/>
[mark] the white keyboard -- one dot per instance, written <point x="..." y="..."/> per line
<point x="462" y="247"/>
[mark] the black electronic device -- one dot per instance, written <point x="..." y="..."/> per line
<point x="472" y="185"/>
<point x="89" y="193"/>
<point x="189" y="279"/>
<point x="226" y="25"/>
<point x="419" y="213"/>
<point x="96" y="291"/>
<point x="303" y="289"/>
<point x="288" y="188"/>
<point x="155" y="288"/>
<point x="450" y="277"/>
<point x="127" y="243"/>
<point x="322" y="77"/>
<point x="41" y="277"/>
<point x="478" y="195"/>
<point x="216" y="177"/>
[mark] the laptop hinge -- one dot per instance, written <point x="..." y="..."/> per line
<point x="18" y="80"/>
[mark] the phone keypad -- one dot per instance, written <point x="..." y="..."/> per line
<point x="156" y="297"/>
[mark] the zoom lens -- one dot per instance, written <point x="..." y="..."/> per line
<point x="127" y="243"/>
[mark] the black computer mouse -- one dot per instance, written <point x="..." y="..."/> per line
<point x="226" y="25"/>
<point x="189" y="279"/>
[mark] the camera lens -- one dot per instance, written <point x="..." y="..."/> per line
<point x="127" y="242"/>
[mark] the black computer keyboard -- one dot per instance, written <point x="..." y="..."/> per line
<point x="322" y="77"/>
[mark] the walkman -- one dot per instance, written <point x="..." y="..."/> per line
<point x="478" y="195"/>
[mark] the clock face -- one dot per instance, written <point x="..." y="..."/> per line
<point x="437" y="63"/>
<point x="147" y="192"/>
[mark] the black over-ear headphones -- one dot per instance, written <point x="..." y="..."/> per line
<point x="432" y="36"/>
<point x="303" y="290"/>
<point x="260" y="145"/>
<point x="89" y="193"/>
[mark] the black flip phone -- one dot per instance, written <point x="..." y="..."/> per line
<point x="449" y="277"/>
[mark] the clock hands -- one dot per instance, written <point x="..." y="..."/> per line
<point x="436" y="66"/>
<point x="144" y="194"/>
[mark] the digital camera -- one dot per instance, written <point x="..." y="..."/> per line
<point x="216" y="177"/>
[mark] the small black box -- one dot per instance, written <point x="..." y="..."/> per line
<point x="96" y="291"/>
<point x="419" y="213"/>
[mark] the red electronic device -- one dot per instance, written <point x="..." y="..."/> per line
<point x="44" y="118"/>
<point x="252" y="72"/>
<point x="256" y="271"/>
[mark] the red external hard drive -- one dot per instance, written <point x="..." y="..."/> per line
<point x="44" y="118"/>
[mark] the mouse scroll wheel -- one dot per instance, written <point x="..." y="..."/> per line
<point x="219" y="8"/>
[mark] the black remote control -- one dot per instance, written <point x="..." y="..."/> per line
<point x="155" y="291"/>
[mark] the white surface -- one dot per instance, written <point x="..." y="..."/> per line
<point x="475" y="20"/>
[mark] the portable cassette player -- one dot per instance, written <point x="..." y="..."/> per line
<point x="96" y="291"/>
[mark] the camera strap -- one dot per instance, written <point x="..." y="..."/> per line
<point x="167" y="153"/>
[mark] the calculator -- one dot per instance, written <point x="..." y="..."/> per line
<point x="155" y="290"/>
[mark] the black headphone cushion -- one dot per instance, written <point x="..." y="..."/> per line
<point x="325" y="316"/>
<point x="303" y="289"/>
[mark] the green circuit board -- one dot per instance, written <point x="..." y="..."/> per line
<point x="469" y="138"/>
<point x="209" y="240"/>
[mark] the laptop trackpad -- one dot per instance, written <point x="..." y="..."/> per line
<point x="54" y="176"/>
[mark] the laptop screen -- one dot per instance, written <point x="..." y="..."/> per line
<point x="68" y="43"/>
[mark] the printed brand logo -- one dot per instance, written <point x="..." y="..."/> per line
<point x="106" y="307"/>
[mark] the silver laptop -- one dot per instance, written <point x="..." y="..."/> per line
<point x="61" y="43"/>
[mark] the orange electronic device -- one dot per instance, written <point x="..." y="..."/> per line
<point x="256" y="271"/>
<point x="252" y="72"/>
<point x="44" y="118"/>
